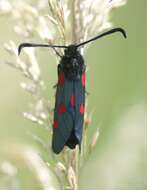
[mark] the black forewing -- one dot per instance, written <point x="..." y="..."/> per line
<point x="80" y="101"/>
<point x="65" y="120"/>
<point x="69" y="131"/>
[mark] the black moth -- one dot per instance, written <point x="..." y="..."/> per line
<point x="70" y="94"/>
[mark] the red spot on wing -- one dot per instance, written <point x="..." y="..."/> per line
<point x="61" y="78"/>
<point x="61" y="108"/>
<point x="83" y="78"/>
<point x="73" y="100"/>
<point x="82" y="109"/>
<point x="56" y="124"/>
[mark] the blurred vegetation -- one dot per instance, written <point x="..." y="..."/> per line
<point x="116" y="80"/>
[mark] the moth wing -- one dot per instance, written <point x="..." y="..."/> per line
<point x="80" y="107"/>
<point x="63" y="121"/>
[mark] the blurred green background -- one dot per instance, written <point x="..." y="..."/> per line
<point x="116" y="80"/>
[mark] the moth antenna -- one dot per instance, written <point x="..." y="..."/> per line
<point x="121" y="30"/>
<point x="23" y="45"/>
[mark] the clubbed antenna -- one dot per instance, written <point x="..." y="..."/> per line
<point x="122" y="31"/>
<point x="23" y="45"/>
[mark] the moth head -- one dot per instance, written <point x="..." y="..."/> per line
<point x="70" y="51"/>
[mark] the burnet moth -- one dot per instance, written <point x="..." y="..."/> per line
<point x="70" y="93"/>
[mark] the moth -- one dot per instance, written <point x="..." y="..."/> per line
<point x="70" y="93"/>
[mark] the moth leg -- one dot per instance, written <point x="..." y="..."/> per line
<point x="87" y="93"/>
<point x="55" y="86"/>
<point x="57" y="53"/>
